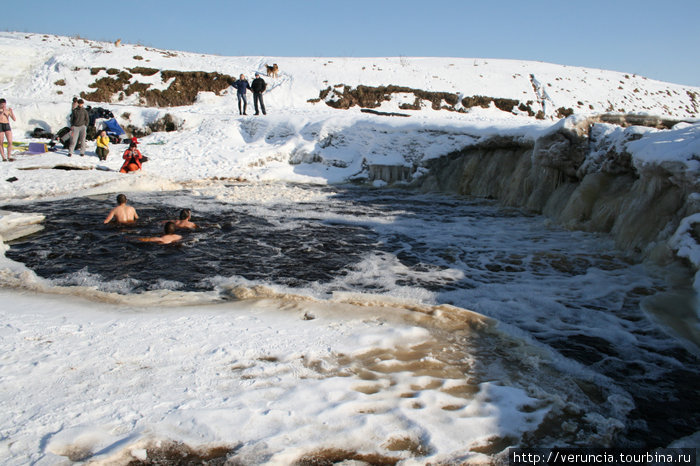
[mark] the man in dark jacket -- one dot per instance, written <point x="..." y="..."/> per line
<point x="258" y="88"/>
<point x="79" y="120"/>
<point x="242" y="87"/>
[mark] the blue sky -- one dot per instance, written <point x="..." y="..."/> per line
<point x="657" y="39"/>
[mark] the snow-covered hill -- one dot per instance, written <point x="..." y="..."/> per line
<point x="302" y="138"/>
<point x="49" y="70"/>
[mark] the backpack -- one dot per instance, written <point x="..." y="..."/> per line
<point x="41" y="133"/>
<point x="63" y="135"/>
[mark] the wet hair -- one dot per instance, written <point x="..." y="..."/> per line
<point x="169" y="228"/>
<point x="121" y="199"/>
<point x="184" y="214"/>
<point x="3" y="101"/>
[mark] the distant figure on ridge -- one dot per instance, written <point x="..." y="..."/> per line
<point x="122" y="212"/>
<point x="102" y="142"/>
<point x="79" y="120"/>
<point x="258" y="88"/>
<point x="6" y="130"/>
<point x="168" y="237"/>
<point x="242" y="85"/>
<point x="132" y="159"/>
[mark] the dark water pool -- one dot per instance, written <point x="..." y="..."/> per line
<point x="228" y="242"/>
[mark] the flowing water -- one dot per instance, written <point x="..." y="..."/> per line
<point x="570" y="293"/>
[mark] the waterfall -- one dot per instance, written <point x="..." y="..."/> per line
<point x="640" y="209"/>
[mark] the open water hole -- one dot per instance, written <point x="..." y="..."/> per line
<point x="570" y="291"/>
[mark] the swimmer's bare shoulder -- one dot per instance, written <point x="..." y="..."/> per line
<point x="111" y="215"/>
<point x="123" y="214"/>
<point x="185" y="224"/>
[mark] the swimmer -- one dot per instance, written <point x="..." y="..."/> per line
<point x="5" y="130"/>
<point x="184" y="221"/>
<point x="122" y="212"/>
<point x="168" y="237"/>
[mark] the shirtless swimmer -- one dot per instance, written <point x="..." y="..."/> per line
<point x="122" y="212"/>
<point x="184" y="221"/>
<point x="168" y="237"/>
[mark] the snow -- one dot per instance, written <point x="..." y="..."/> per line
<point x="680" y="145"/>
<point x="95" y="380"/>
<point x="86" y="373"/>
<point x="684" y="243"/>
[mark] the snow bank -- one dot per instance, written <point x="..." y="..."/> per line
<point x="262" y="380"/>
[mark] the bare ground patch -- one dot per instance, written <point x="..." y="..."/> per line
<point x="330" y="456"/>
<point x="342" y="96"/>
<point x="183" y="89"/>
<point x="177" y="453"/>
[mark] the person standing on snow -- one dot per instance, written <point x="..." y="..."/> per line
<point x="6" y="130"/>
<point x="79" y="120"/>
<point x="258" y="88"/>
<point x="242" y="85"/>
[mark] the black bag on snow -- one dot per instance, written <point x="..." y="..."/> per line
<point x="63" y="136"/>
<point x="41" y="133"/>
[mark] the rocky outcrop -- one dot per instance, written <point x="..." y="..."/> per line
<point x="629" y="119"/>
<point x="343" y="97"/>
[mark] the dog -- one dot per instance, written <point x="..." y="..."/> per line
<point x="272" y="70"/>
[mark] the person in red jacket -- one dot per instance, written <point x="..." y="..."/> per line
<point x="132" y="159"/>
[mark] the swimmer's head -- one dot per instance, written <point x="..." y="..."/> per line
<point x="121" y="199"/>
<point x="169" y="228"/>
<point x="185" y="214"/>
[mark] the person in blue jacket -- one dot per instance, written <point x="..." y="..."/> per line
<point x="242" y="86"/>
